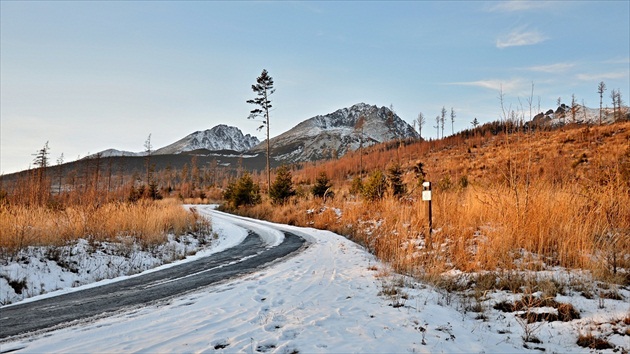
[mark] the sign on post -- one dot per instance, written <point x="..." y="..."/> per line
<point x="426" y="191"/>
<point x="426" y="196"/>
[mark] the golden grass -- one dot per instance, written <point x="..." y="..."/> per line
<point x="531" y="201"/>
<point x="146" y="221"/>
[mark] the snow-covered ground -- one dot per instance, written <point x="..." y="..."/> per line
<point x="328" y="298"/>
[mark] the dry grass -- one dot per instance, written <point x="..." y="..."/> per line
<point x="146" y="221"/>
<point x="590" y="341"/>
<point x="517" y="202"/>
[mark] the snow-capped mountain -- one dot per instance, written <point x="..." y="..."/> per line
<point x="579" y="114"/>
<point x="221" y="137"/>
<point x="334" y="134"/>
<point x="116" y="153"/>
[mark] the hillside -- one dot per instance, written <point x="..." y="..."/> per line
<point x="542" y="198"/>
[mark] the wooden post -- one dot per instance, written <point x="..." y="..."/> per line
<point x="426" y="196"/>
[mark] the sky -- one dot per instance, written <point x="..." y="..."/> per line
<point x="86" y="76"/>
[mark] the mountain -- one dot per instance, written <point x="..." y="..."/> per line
<point x="581" y="114"/>
<point x="335" y="134"/>
<point x="221" y="137"/>
<point x="117" y="153"/>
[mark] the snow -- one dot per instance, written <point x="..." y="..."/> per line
<point x="323" y="300"/>
<point x="44" y="277"/>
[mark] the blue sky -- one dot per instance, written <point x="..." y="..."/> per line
<point x="87" y="76"/>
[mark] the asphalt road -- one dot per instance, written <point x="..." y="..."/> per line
<point x="249" y="256"/>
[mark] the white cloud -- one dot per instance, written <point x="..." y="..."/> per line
<point x="519" y="5"/>
<point x="603" y="76"/>
<point x="551" y="68"/>
<point x="497" y="85"/>
<point x="618" y="61"/>
<point x="520" y="37"/>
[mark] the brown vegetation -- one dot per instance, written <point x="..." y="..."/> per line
<point x="35" y="212"/>
<point x="504" y="198"/>
<point x="515" y="200"/>
<point x="147" y="222"/>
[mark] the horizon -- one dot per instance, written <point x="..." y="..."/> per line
<point x="87" y="77"/>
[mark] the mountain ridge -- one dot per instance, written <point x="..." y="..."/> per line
<point x="335" y="134"/>
<point x="219" y="137"/>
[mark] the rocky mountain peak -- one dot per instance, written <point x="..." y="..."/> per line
<point x="220" y="137"/>
<point x="336" y="133"/>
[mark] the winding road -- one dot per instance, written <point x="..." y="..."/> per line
<point x="250" y="255"/>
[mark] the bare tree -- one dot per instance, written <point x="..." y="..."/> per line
<point x="263" y="89"/>
<point x="97" y="160"/>
<point x="391" y="127"/>
<point x="359" y="127"/>
<point x="437" y="126"/>
<point x="421" y="121"/>
<point x="617" y="103"/>
<point x="110" y="163"/>
<point x="148" y="149"/>
<point x="600" y="89"/>
<point x="563" y="114"/>
<point x="443" y="119"/>
<point x="390" y="122"/>
<point x="452" y="121"/>
<point x="574" y="109"/>
<point x="59" y="172"/>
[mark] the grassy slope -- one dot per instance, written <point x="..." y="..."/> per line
<point x="506" y="201"/>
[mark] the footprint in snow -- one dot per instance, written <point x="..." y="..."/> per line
<point x="290" y="334"/>
<point x="265" y="347"/>
<point x="272" y="327"/>
<point x="220" y="344"/>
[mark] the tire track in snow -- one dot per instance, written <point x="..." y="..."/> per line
<point x="250" y="255"/>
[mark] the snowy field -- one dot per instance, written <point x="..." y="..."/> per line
<point x="334" y="297"/>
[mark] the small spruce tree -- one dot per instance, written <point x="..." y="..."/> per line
<point x="242" y="192"/>
<point x="396" y="184"/>
<point x="154" y="191"/>
<point x="357" y="186"/>
<point x="375" y="186"/>
<point x="282" y="187"/>
<point x="322" y="186"/>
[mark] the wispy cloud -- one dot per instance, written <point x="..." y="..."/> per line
<point x="603" y="76"/>
<point x="497" y="85"/>
<point x="618" y="61"/>
<point x="551" y="68"/>
<point x="521" y="37"/>
<point x="519" y="5"/>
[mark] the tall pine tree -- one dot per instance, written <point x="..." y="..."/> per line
<point x="263" y="89"/>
